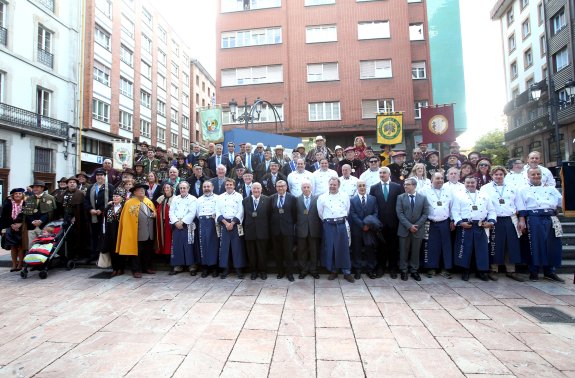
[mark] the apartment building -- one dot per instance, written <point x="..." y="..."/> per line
<point x="203" y="88"/>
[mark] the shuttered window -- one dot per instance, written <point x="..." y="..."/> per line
<point x="373" y="30"/>
<point x="322" y="72"/>
<point x="252" y="75"/>
<point x="370" y="108"/>
<point x="375" y="69"/>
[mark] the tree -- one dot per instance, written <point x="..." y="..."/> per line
<point x="492" y="145"/>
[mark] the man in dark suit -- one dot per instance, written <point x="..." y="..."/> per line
<point x="386" y="193"/>
<point x="308" y="232"/>
<point x="291" y="165"/>
<point x="315" y="166"/>
<point x="244" y="187"/>
<point x="412" y="211"/>
<point x="251" y="160"/>
<point x="257" y="212"/>
<point x="264" y="166"/>
<point x="197" y="181"/>
<point x="194" y="156"/>
<point x="270" y="179"/>
<point x="219" y="181"/>
<point x="217" y="159"/>
<point x="231" y="154"/>
<point x="362" y="205"/>
<point x="283" y="220"/>
<point x="97" y="197"/>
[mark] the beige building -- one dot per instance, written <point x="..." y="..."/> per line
<point x="203" y="88"/>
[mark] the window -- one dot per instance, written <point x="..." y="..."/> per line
<point x="162" y="57"/>
<point x="43" y="102"/>
<point x="162" y="81"/>
<point x="161" y="34"/>
<point x="525" y="28"/>
<point x="185" y="99"/>
<point x="174" y="116"/>
<point x="318" y="2"/>
<point x="320" y="33"/>
<point x="186" y="79"/>
<point x="102" y="37"/>
<point x="323" y="111"/>
<point x="408" y="1"/>
<point x="373" y="30"/>
<point x="161" y="134"/>
<point x="100" y="111"/>
<point x="515" y="93"/>
<point x="175" y="48"/>
<point x="2" y="81"/>
<point x="147" y="17"/>
<point x="524" y="3"/>
<point x="105" y="6"/>
<point x="174" y="91"/>
<point x="174" y="140"/>
<point x="45" y="47"/>
<point x="370" y="108"/>
<point x="145" y="128"/>
<point x="204" y="86"/>
<point x="252" y="75"/>
<point x="544" y="72"/>
<point x="246" y="5"/>
<point x="322" y="72"/>
<point x="2" y="154"/>
<point x="42" y="160"/>
<point x="125" y="120"/>
<point x="513" y="70"/>
<point x="418" y="70"/>
<point x="197" y="80"/>
<point x="48" y="4"/>
<point x="510" y="17"/>
<point x="127" y="27"/>
<point x="375" y="69"/>
<point x="540" y="14"/>
<point x="185" y="144"/>
<point x="254" y="37"/>
<point x="146" y="70"/>
<point x="528" y="58"/>
<point x="101" y="73"/>
<point x="175" y="70"/>
<point x="542" y="45"/>
<point x="145" y="99"/>
<point x="529" y="82"/>
<point x="161" y="108"/>
<point x="558" y="21"/>
<point x="185" y="122"/>
<point x="417" y="107"/>
<point x="197" y="99"/>
<point x="561" y="59"/>
<point x="146" y="43"/>
<point x="511" y="42"/>
<point x="126" y="87"/>
<point x="126" y="56"/>
<point x="416" y="32"/>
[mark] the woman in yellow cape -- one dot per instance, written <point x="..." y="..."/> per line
<point x="127" y="242"/>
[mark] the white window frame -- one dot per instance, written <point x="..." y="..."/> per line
<point x="321" y="33"/>
<point x="45" y="38"/>
<point x="251" y="75"/>
<point x="185" y="122"/>
<point x="526" y="28"/>
<point x="161" y="108"/>
<point x="146" y="43"/>
<point x="513" y="70"/>
<point x="528" y="58"/>
<point x="419" y="70"/>
<point x="105" y="6"/>
<point x="126" y="120"/>
<point x="511" y="43"/>
<point x="126" y="56"/>
<point x="185" y="144"/>
<point x="417" y="107"/>
<point x="162" y="57"/>
<point x="174" y="116"/>
<point x="558" y="21"/>
<point x="174" y="91"/>
<point x="145" y="99"/>
<point x="370" y="108"/>
<point x="126" y="87"/>
<point x="43" y="102"/>
<point x="161" y="81"/>
<point x="2" y="90"/>
<point x="174" y="139"/>
<point x="311" y="3"/>
<point x="373" y="30"/>
<point x="102" y="37"/>
<point x="161" y="134"/>
<point x="561" y="59"/>
<point x="127" y="26"/>
<point x="146" y="69"/>
<point x="322" y="72"/>
<point x="252" y="37"/>
<point x="101" y="73"/>
<point x="375" y="69"/>
<point x="416" y="32"/>
<point x="227" y="6"/>
<point x="100" y="110"/>
<point x="510" y="16"/>
<point x="145" y="128"/>
<point x="324" y="111"/>
<point x="162" y="35"/>
<point x="147" y="17"/>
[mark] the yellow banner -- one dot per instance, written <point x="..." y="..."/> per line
<point x="389" y="128"/>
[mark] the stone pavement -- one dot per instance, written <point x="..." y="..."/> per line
<point x="72" y="326"/>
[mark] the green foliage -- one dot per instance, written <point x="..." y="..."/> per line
<point x="493" y="146"/>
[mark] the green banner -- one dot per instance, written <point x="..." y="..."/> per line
<point x="211" y="120"/>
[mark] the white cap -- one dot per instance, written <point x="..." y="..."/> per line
<point x="260" y="144"/>
<point x="338" y="147"/>
<point x="319" y="137"/>
<point x="279" y="147"/>
<point x="300" y="145"/>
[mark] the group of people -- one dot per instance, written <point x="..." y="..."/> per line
<point x="350" y="210"/>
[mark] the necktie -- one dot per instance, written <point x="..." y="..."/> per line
<point x="267" y="165"/>
<point x="274" y="180"/>
<point x="281" y="201"/>
<point x="411" y="199"/>
<point x="363" y="201"/>
<point x="316" y="166"/>
<point x="256" y="202"/>
<point x="218" y="161"/>
<point x="249" y="161"/>
<point x="307" y="203"/>
<point x="248" y="190"/>
<point x="385" y="191"/>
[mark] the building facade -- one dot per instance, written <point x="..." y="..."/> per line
<point x="39" y="73"/>
<point x="537" y="45"/>
<point x="203" y="89"/>
<point x="328" y="66"/>
<point x="136" y="83"/>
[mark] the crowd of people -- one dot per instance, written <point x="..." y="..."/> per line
<point x="350" y="210"/>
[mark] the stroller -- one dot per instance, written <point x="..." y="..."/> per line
<point x="44" y="248"/>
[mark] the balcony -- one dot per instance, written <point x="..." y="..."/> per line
<point x="26" y="121"/>
<point x="3" y="36"/>
<point x="46" y="58"/>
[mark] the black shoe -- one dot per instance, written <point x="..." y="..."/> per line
<point x="404" y="276"/>
<point x="224" y="274"/>
<point x="315" y="276"/>
<point x="349" y="278"/>
<point x="240" y="274"/>
<point x="205" y="273"/>
<point x="553" y="277"/>
<point x="173" y="273"/>
<point x="516" y="277"/>
<point x="290" y="277"/>
<point x="357" y="276"/>
<point x="264" y="276"/>
<point x="215" y="273"/>
<point x="393" y="274"/>
<point x="416" y="276"/>
<point x="301" y="276"/>
<point x="280" y="276"/>
<point x="254" y="276"/>
<point x="482" y="276"/>
<point x="372" y="275"/>
<point x="533" y="277"/>
<point x="332" y="276"/>
<point x="465" y="276"/>
<point x="193" y="272"/>
<point x="379" y="273"/>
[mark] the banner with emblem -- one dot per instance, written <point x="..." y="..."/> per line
<point x="389" y="128"/>
<point x="437" y="124"/>
<point x="211" y="121"/>
<point x="123" y="154"/>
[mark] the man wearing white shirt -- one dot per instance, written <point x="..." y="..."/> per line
<point x="504" y="248"/>
<point x="371" y="176"/>
<point x="229" y="214"/>
<point x="182" y="214"/>
<point x="321" y="177"/>
<point x="437" y="248"/>
<point x="208" y="238"/>
<point x="333" y="208"/>
<point x="534" y="161"/>
<point x="472" y="213"/>
<point x="453" y="183"/>
<point x="516" y="177"/>
<point x="348" y="183"/>
<point x="296" y="178"/>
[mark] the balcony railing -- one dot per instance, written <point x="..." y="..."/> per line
<point x="46" y="58"/>
<point x="24" y="119"/>
<point x="3" y="36"/>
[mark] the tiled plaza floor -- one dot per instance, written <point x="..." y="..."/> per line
<point x="161" y="326"/>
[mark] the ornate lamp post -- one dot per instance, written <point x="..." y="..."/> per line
<point x="248" y="115"/>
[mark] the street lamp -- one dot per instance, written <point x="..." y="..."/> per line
<point x="248" y="113"/>
<point x="554" y="104"/>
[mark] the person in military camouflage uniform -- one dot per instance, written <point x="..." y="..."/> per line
<point x="183" y="170"/>
<point x="139" y="175"/>
<point x="162" y="172"/>
<point x="150" y="162"/>
<point x="38" y="210"/>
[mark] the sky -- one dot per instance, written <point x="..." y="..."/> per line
<point x="194" y="22"/>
